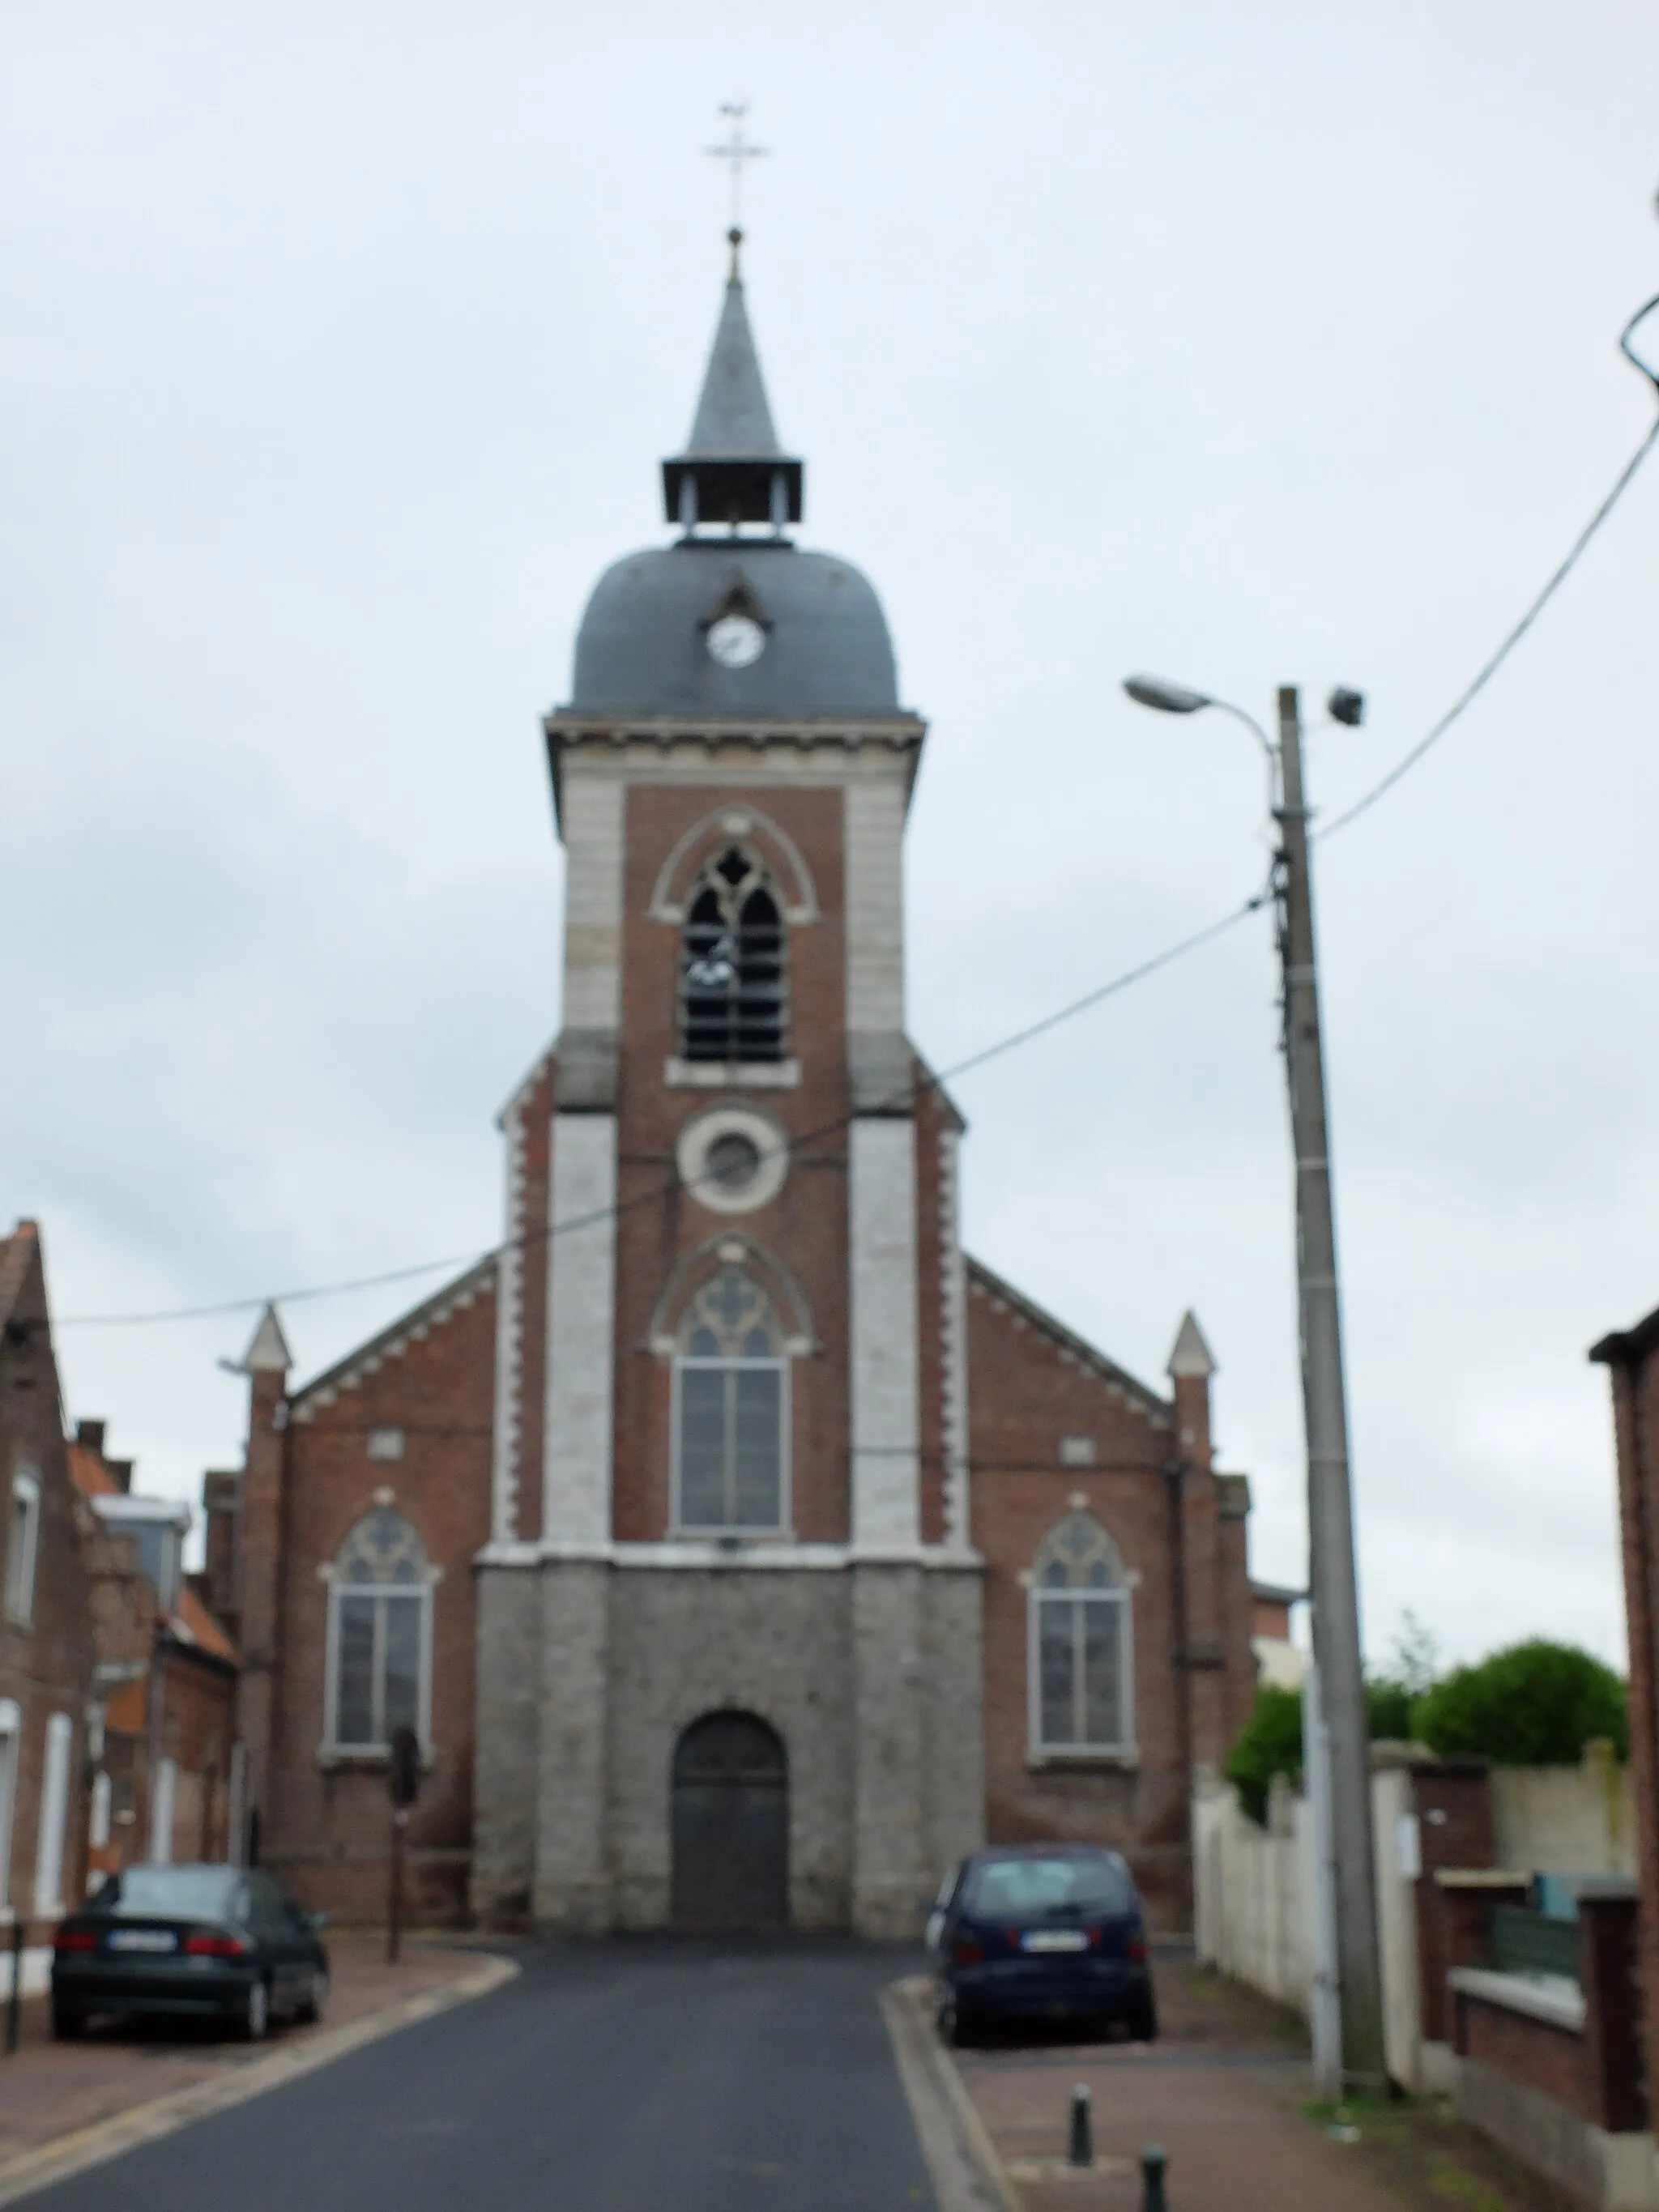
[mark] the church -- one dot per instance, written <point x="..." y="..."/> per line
<point x="741" y="1551"/>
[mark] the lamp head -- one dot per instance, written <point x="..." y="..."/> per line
<point x="1168" y="698"/>
<point x="1347" y="707"/>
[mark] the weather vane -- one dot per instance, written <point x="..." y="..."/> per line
<point x="736" y="150"/>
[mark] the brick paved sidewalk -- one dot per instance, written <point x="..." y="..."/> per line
<point x="48" y="2090"/>
<point x="1224" y="2093"/>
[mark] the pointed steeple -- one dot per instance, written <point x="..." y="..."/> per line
<point x="1190" y="1356"/>
<point x="269" y="1352"/>
<point x="733" y="469"/>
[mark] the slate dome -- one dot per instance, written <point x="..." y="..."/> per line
<point x="643" y="644"/>
<point x="643" y="647"/>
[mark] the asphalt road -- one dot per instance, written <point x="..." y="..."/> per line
<point x="635" y="2075"/>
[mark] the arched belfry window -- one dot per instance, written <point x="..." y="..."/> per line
<point x="733" y="988"/>
<point x="731" y="1411"/>
<point x="1081" y="1693"/>
<point x="379" y="1640"/>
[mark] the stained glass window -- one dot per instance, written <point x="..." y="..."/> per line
<point x="381" y="1603"/>
<point x="732" y="1400"/>
<point x="1079" y="1641"/>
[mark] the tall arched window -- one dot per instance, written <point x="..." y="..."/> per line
<point x="1080" y="1660"/>
<point x="731" y="965"/>
<point x="379" y="1644"/>
<point x="731" y="1411"/>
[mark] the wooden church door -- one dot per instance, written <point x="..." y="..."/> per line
<point x="731" y="1824"/>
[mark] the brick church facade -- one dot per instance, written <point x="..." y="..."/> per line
<point x="741" y="1551"/>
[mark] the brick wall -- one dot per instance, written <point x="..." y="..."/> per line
<point x="46" y="1663"/>
<point x="326" y="1824"/>
<point x="1031" y="1386"/>
<point x="1633" y="1358"/>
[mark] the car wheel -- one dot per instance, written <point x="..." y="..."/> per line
<point x="1142" y="2019"/>
<point x="316" y="1996"/>
<point x="256" y="2013"/>
<point x="957" y="2028"/>
<point x="67" y="2025"/>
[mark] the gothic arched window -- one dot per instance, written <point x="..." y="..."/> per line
<point x="732" y="965"/>
<point x="731" y="1410"/>
<point x="1079" y="1657"/>
<point x="380" y="1642"/>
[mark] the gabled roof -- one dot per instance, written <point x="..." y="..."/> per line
<point x="192" y="1623"/>
<point x="420" y="1321"/>
<point x="1064" y="1340"/>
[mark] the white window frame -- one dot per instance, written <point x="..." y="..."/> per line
<point x="22" y="1560"/>
<point x="1120" y="1596"/>
<point x="405" y="1593"/>
<point x="10" y="1737"/>
<point x="778" y="1364"/>
<point x="52" y="1832"/>
<point x="98" y="1816"/>
<point x="163" y="1796"/>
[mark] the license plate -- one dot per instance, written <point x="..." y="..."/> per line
<point x="1054" y="1939"/>
<point x="142" y="1939"/>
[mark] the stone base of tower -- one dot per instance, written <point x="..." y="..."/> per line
<point x="592" y="1672"/>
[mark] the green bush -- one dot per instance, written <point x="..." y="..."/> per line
<point x="1391" y="1704"/>
<point x="1536" y="1703"/>
<point x="1269" y="1743"/>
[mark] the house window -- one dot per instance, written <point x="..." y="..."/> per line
<point x="1081" y="1695"/>
<point x="380" y="1634"/>
<point x="22" y="1543"/>
<point x="732" y="965"/>
<point x="731" y="1410"/>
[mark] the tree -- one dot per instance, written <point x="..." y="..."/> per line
<point x="1536" y="1703"/>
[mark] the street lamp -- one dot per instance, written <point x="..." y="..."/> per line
<point x="1338" y="1667"/>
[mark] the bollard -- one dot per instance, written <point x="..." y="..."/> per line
<point x="1081" y="2151"/>
<point x="1152" y="2163"/>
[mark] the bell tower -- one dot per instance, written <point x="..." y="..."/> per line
<point x="731" y="1474"/>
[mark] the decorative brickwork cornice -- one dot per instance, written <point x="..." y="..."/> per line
<point x="1077" y="1349"/>
<point x="478" y="1281"/>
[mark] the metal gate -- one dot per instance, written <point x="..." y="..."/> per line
<point x="731" y="1824"/>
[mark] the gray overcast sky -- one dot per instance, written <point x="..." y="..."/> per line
<point x="1246" y="345"/>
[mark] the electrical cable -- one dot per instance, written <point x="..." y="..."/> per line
<point x="1018" y="1037"/>
<point x="1472" y="691"/>
<point x="926" y="1081"/>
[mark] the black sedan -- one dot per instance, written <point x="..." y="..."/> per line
<point x="202" y="1941"/>
<point x="1043" y="1931"/>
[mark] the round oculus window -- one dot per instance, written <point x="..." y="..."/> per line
<point x="736" y="641"/>
<point x="731" y="1159"/>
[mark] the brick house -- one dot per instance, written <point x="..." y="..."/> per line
<point x="1631" y="1357"/>
<point x="740" y="1550"/>
<point x="166" y="1767"/>
<point x="45" y="1618"/>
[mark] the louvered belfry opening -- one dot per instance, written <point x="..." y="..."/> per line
<point x="732" y="988"/>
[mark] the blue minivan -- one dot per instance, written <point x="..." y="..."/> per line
<point x="1042" y="1931"/>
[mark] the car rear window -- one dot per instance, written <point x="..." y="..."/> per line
<point x="171" y="1892"/>
<point x="1028" y="1888"/>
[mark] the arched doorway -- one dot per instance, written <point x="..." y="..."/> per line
<point x="731" y="1824"/>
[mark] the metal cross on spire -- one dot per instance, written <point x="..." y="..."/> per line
<point x="736" y="150"/>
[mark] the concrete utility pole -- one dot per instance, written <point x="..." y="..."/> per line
<point x="1330" y="1496"/>
<point x="1341" y="1775"/>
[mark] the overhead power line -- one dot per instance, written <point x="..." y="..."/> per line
<point x="927" y="1081"/>
<point x="1016" y="1038"/>
<point x="1473" y="690"/>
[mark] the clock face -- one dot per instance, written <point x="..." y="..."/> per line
<point x="736" y="641"/>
